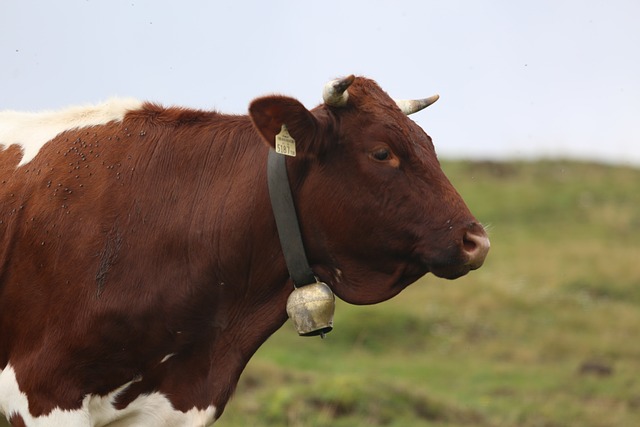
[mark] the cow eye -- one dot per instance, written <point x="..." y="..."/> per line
<point x="381" y="154"/>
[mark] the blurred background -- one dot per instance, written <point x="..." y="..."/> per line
<point x="537" y="126"/>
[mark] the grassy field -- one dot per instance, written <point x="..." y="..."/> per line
<point x="547" y="333"/>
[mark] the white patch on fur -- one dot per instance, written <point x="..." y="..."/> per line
<point x="148" y="410"/>
<point x="32" y="130"/>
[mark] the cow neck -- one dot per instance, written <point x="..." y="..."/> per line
<point x="287" y="221"/>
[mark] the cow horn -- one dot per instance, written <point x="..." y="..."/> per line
<point x="410" y="106"/>
<point x="335" y="92"/>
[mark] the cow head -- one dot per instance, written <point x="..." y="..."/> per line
<point x="375" y="209"/>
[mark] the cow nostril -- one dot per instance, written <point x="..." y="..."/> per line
<point x="468" y="244"/>
<point x="476" y="245"/>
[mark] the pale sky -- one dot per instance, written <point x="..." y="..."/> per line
<point x="539" y="78"/>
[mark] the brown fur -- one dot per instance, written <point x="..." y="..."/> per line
<point x="122" y="243"/>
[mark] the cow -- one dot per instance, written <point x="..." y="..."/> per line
<point x="140" y="263"/>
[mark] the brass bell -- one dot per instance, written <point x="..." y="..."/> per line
<point x="311" y="309"/>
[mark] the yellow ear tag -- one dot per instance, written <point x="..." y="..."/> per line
<point x="285" y="144"/>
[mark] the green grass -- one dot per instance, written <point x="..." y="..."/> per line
<point x="547" y="333"/>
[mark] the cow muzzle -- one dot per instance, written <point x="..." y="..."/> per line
<point x="467" y="252"/>
<point x="311" y="309"/>
<point x="476" y="246"/>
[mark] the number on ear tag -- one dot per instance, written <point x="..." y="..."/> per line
<point x="285" y="144"/>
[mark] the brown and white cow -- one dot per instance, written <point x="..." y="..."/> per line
<point x="140" y="266"/>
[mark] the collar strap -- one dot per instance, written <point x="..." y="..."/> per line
<point x="287" y="221"/>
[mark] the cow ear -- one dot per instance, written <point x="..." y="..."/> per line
<point x="271" y="112"/>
